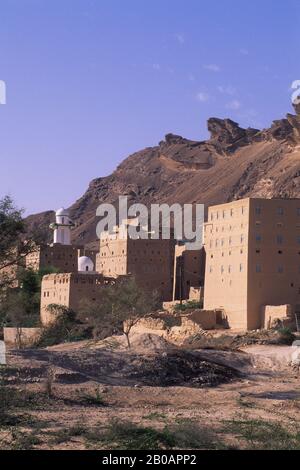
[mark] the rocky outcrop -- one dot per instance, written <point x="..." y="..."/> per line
<point x="294" y="122"/>
<point x="227" y="135"/>
<point x="288" y="129"/>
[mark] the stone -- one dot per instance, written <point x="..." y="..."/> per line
<point x="281" y="129"/>
<point x="228" y="135"/>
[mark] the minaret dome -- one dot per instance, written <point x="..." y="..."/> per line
<point x="62" y="227"/>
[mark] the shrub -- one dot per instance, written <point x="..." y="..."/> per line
<point x="66" y="328"/>
<point x="190" y="305"/>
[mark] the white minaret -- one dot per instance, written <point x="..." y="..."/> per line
<point x="62" y="227"/>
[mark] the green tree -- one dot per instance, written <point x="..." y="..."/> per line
<point x="21" y="306"/>
<point x="15" y="242"/>
<point x="131" y="303"/>
<point x="122" y="306"/>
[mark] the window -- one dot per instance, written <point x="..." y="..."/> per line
<point x="258" y="210"/>
<point x="279" y="210"/>
<point x="279" y="239"/>
<point x="231" y="212"/>
<point x="242" y="238"/>
<point x="298" y="240"/>
<point x="222" y="269"/>
<point x="258" y="268"/>
<point x="229" y="269"/>
<point x="280" y="269"/>
<point x="298" y="211"/>
<point x="210" y="269"/>
<point x="258" y="238"/>
<point x="241" y="268"/>
<point x="230" y="240"/>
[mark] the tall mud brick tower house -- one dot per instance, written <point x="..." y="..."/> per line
<point x="252" y="258"/>
<point x="149" y="261"/>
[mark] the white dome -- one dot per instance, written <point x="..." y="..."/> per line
<point x="85" y="264"/>
<point x="62" y="211"/>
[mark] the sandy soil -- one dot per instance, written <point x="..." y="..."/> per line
<point x="93" y="387"/>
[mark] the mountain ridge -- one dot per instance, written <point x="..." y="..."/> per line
<point x="232" y="164"/>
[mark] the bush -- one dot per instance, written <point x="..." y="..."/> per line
<point x="190" y="305"/>
<point x="66" y="328"/>
<point x="286" y="336"/>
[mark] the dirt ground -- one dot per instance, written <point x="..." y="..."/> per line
<point x="88" y="396"/>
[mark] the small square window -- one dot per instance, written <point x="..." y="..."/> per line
<point x="279" y="210"/>
<point x="279" y="239"/>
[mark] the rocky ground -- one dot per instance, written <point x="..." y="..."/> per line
<point x="99" y="396"/>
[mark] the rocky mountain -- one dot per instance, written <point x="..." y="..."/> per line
<point x="234" y="163"/>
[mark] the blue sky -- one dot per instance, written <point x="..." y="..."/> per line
<point x="89" y="82"/>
